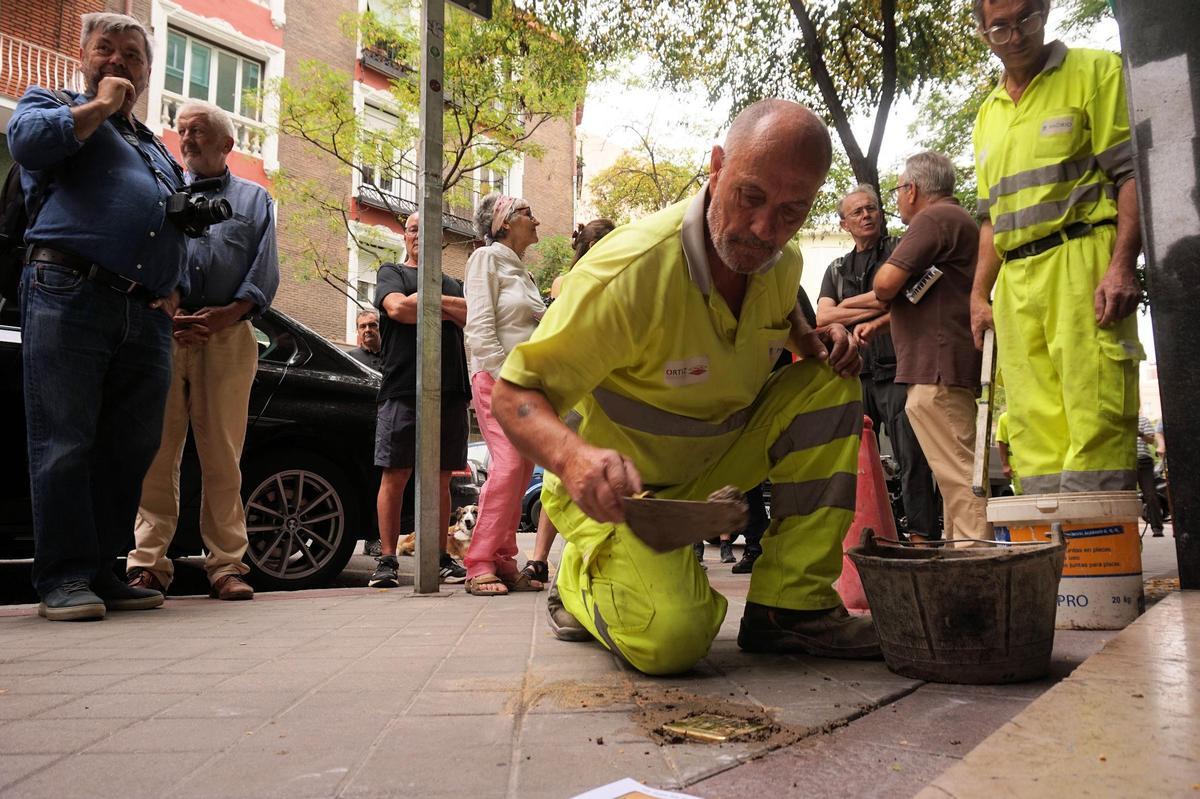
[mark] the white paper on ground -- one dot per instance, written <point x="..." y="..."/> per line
<point x="631" y="789"/>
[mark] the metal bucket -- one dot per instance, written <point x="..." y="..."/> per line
<point x="979" y="615"/>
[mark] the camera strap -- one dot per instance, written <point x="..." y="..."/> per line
<point x="129" y="134"/>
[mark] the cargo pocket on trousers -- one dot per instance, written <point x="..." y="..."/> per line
<point x="1117" y="378"/>
<point x="620" y="594"/>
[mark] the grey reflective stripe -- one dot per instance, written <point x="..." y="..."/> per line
<point x="1109" y="480"/>
<point x="799" y="499"/>
<point x="1065" y="172"/>
<point x="1117" y="161"/>
<point x="572" y="420"/>
<point x="982" y="207"/>
<point x="647" y="419"/>
<point x="1056" y="209"/>
<point x="818" y="427"/>
<point x="602" y="628"/>
<point x="1041" y="484"/>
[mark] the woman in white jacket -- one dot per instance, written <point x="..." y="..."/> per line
<point x="503" y="309"/>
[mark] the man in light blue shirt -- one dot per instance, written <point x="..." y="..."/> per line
<point x="233" y="270"/>
<point x="103" y="277"/>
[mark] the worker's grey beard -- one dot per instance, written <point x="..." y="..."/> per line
<point x="745" y="255"/>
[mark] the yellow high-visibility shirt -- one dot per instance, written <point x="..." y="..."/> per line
<point x="647" y="352"/>
<point x="1058" y="156"/>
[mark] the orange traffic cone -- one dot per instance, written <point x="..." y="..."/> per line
<point x="871" y="510"/>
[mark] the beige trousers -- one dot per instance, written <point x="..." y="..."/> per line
<point x="943" y="417"/>
<point x="210" y="389"/>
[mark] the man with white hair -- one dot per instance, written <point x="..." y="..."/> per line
<point x="234" y="272"/>
<point x="104" y="273"/>
<point x="934" y="266"/>
<point x="663" y="343"/>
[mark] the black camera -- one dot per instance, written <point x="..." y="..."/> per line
<point x="193" y="214"/>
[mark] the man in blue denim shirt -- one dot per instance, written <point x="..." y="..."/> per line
<point x="104" y="277"/>
<point x="234" y="271"/>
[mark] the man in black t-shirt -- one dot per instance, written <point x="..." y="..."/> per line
<point x="396" y="423"/>
<point x="846" y="298"/>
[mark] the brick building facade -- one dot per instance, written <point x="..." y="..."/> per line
<point x="221" y="49"/>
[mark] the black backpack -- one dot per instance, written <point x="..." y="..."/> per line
<point x="15" y="219"/>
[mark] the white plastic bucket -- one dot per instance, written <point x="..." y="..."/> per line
<point x="1101" y="587"/>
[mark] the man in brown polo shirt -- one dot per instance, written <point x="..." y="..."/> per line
<point x="927" y="279"/>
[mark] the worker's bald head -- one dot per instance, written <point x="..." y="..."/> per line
<point x="781" y="129"/>
<point x="764" y="181"/>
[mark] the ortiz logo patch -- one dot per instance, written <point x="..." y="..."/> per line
<point x="1058" y="126"/>
<point x="686" y="372"/>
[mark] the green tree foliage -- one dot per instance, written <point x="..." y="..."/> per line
<point x="646" y="179"/>
<point x="555" y="255"/>
<point x="845" y="58"/>
<point x="505" y="78"/>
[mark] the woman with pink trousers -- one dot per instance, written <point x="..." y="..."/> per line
<point x="503" y="309"/>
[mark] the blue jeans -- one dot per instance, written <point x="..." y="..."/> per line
<point x="96" y="369"/>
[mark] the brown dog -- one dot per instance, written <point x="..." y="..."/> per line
<point x="459" y="538"/>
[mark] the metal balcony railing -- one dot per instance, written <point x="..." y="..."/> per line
<point x="23" y="64"/>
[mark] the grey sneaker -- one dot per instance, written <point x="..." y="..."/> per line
<point x="385" y="575"/>
<point x="373" y="548"/>
<point x="564" y="625"/>
<point x="832" y="633"/>
<point x="71" y="601"/>
<point x="727" y="555"/>
<point x="119" y="596"/>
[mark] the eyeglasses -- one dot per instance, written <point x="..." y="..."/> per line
<point x="861" y="211"/>
<point x="896" y="189"/>
<point x="1000" y="35"/>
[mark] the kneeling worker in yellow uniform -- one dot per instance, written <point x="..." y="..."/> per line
<point x="661" y="347"/>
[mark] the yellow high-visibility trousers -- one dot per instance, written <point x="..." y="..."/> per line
<point x="657" y="611"/>
<point x="1071" y="386"/>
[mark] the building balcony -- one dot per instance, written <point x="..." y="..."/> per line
<point x="384" y="60"/>
<point x="403" y="202"/>
<point x="23" y="64"/>
<point x="248" y="134"/>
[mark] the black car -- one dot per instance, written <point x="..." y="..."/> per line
<point x="308" y="479"/>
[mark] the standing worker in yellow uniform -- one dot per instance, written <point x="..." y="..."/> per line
<point x="1055" y="166"/>
<point x="663" y="342"/>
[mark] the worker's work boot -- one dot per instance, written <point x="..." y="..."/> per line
<point x="832" y="633"/>
<point x="562" y="623"/>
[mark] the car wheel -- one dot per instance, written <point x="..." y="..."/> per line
<point x="300" y="514"/>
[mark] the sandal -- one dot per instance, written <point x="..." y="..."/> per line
<point x="538" y="570"/>
<point x="486" y="585"/>
<point x="521" y="581"/>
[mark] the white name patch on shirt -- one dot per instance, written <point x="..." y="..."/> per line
<point x="1057" y="126"/>
<point x="686" y="372"/>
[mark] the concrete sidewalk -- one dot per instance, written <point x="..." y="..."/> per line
<point x="362" y="693"/>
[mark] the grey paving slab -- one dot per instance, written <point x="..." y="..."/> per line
<point x="155" y="735"/>
<point x="87" y="776"/>
<point x="113" y="706"/>
<point x="20" y="706"/>
<point x="16" y="767"/>
<point x="220" y="705"/>
<point x="57" y="736"/>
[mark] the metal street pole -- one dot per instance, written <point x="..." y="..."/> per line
<point x="429" y="301"/>
<point x="1158" y="40"/>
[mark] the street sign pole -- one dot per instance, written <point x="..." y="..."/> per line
<point x="429" y="301"/>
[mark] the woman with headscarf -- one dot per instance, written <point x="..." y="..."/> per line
<point x="503" y="309"/>
<point x="538" y="566"/>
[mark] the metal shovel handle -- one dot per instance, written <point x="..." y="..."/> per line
<point x="980" y="484"/>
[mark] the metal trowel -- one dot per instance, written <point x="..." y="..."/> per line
<point x="667" y="524"/>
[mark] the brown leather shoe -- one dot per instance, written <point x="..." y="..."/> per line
<point x="144" y="578"/>
<point x="231" y="587"/>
